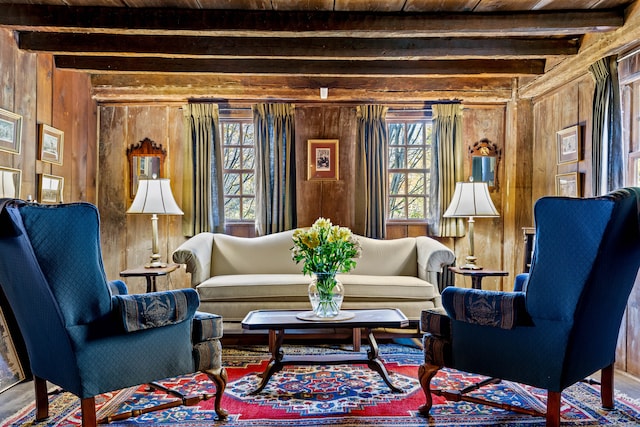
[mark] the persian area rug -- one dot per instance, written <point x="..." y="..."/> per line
<point x="337" y="395"/>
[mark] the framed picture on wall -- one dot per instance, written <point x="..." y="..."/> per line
<point x="10" y="182"/>
<point x="568" y="184"/>
<point x="50" y="188"/>
<point x="51" y="142"/>
<point x="10" y="131"/>
<point x="568" y="142"/>
<point x="322" y="159"/>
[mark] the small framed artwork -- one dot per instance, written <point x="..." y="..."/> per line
<point x="568" y="184"/>
<point x="568" y="142"/>
<point x="10" y="131"/>
<point x="10" y="182"/>
<point x="51" y="142"/>
<point x="322" y="159"/>
<point x="50" y="188"/>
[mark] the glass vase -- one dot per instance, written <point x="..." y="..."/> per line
<point x="326" y="294"/>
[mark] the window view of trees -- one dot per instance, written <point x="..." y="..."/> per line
<point x="239" y="170"/>
<point x="409" y="151"/>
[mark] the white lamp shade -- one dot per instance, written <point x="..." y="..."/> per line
<point x="471" y="199"/>
<point x="154" y="196"/>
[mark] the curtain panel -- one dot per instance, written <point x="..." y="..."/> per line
<point x="202" y="188"/>
<point x="275" y="168"/>
<point x="607" y="161"/>
<point x="371" y="171"/>
<point x="446" y="168"/>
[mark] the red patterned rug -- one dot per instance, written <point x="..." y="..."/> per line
<point x="337" y="396"/>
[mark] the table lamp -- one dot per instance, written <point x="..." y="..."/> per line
<point x="154" y="197"/>
<point x="471" y="199"/>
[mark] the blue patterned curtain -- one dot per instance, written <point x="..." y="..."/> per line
<point x="607" y="157"/>
<point x="275" y="168"/>
<point x="371" y="171"/>
<point x="202" y="191"/>
<point x="446" y="168"/>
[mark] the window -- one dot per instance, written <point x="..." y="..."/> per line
<point x="239" y="170"/>
<point x="409" y="154"/>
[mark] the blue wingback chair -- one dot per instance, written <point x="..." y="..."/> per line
<point x="561" y="323"/>
<point x="85" y="334"/>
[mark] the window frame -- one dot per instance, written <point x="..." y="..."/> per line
<point x="408" y="117"/>
<point x="241" y="120"/>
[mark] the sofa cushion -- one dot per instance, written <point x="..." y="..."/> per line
<point x="397" y="257"/>
<point x="293" y="288"/>
<point x="269" y="254"/>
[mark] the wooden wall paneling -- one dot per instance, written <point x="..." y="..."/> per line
<point x="174" y="170"/>
<point x="544" y="162"/>
<point x="485" y="122"/>
<point x="517" y="211"/>
<point x="63" y="119"/>
<point x="7" y="77"/>
<point x="25" y="105"/>
<point x="142" y="122"/>
<point x="7" y="80"/>
<point x="111" y="192"/>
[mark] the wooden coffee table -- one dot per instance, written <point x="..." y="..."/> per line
<point x="278" y="321"/>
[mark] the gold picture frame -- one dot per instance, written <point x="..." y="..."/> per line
<point x="10" y="131"/>
<point x="51" y="143"/>
<point x="568" y="184"/>
<point x="323" y="160"/>
<point x="568" y="145"/>
<point x="50" y="188"/>
<point x="10" y="181"/>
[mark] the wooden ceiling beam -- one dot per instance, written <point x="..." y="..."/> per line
<point x="123" y="20"/>
<point x="287" y="67"/>
<point x="294" y="48"/>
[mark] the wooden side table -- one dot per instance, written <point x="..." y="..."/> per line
<point x="478" y="275"/>
<point x="150" y="274"/>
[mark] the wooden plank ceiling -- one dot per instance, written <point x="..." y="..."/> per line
<point x="362" y="50"/>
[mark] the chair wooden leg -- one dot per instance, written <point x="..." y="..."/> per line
<point x="88" y="407"/>
<point x="606" y="387"/>
<point x="219" y="377"/>
<point x="425" y="373"/>
<point x="553" y="408"/>
<point x="42" y="399"/>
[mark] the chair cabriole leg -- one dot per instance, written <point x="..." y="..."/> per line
<point x="425" y="373"/>
<point x="219" y="377"/>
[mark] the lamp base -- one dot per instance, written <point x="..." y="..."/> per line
<point x="470" y="267"/>
<point x="155" y="262"/>
<point x="471" y="264"/>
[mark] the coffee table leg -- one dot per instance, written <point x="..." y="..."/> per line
<point x="275" y="364"/>
<point x="376" y="364"/>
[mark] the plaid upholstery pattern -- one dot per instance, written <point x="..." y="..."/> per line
<point x="436" y="322"/>
<point x="437" y="350"/>
<point x="207" y="355"/>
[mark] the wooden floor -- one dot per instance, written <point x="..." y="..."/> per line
<point x="22" y="394"/>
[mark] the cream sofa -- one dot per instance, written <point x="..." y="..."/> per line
<point x="235" y="275"/>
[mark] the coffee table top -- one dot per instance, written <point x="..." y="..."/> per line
<point x="286" y="319"/>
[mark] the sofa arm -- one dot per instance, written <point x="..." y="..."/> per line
<point x="155" y="309"/>
<point x="497" y="309"/>
<point x="195" y="253"/>
<point x="433" y="257"/>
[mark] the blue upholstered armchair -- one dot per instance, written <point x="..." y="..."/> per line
<point x="561" y="323"/>
<point x="85" y="334"/>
